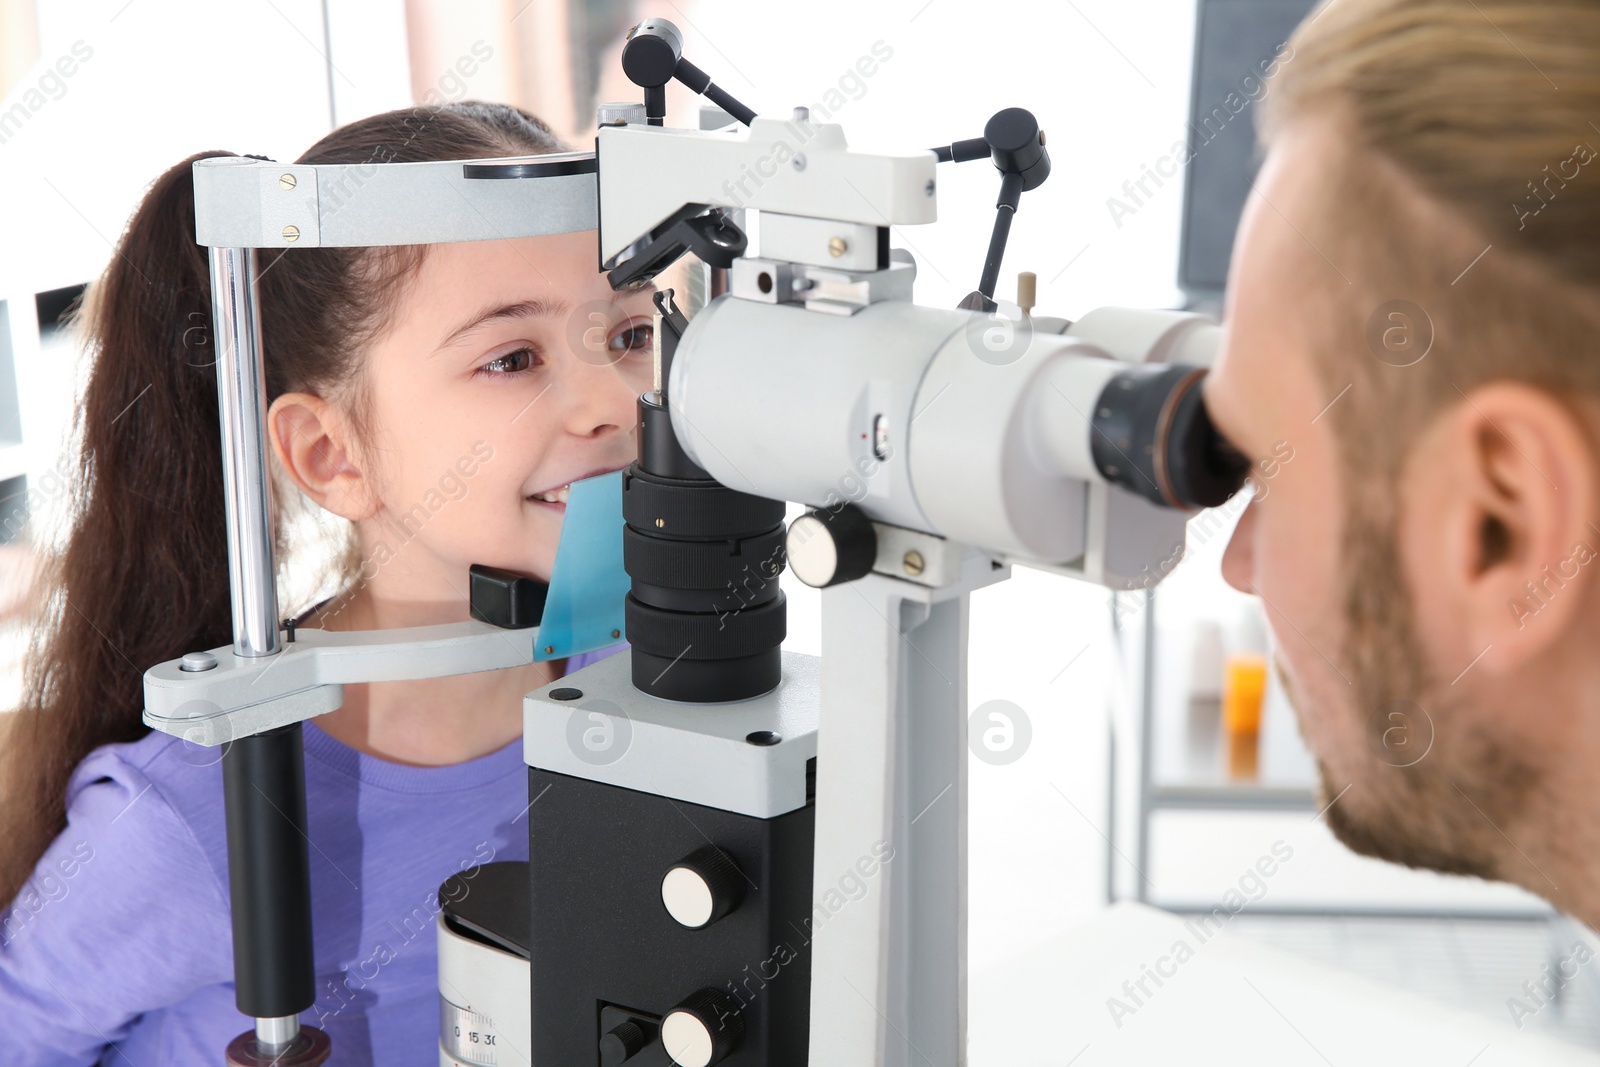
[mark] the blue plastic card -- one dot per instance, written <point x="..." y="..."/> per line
<point x="584" y="610"/>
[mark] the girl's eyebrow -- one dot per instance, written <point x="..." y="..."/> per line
<point x="497" y="312"/>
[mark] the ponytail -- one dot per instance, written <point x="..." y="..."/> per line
<point x="143" y="577"/>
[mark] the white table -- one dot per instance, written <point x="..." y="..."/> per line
<point x="1231" y="1002"/>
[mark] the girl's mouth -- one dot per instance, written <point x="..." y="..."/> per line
<point x="552" y="499"/>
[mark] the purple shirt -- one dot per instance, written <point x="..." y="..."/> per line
<point x="583" y="659"/>
<point x="123" y="935"/>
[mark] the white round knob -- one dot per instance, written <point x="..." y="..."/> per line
<point x="686" y="1039"/>
<point x="829" y="547"/>
<point x="810" y="552"/>
<point x="702" y="1030"/>
<point x="702" y="887"/>
<point x="687" y="897"/>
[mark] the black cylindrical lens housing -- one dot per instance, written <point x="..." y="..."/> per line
<point x="705" y="615"/>
<point x="1151" y="435"/>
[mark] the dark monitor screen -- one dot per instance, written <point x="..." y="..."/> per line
<point x="1235" y="40"/>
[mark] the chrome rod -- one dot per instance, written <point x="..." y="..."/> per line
<point x="241" y="403"/>
<point x="273" y="1035"/>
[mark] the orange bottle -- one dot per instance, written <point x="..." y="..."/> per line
<point x="1244" y="688"/>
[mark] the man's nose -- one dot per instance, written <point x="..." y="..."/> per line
<point x="1239" y="559"/>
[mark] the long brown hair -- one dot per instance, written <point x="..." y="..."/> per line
<point x="143" y="576"/>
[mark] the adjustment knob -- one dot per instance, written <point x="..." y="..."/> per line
<point x="623" y="1043"/>
<point x="702" y="1030"/>
<point x="651" y="53"/>
<point x="1016" y="145"/>
<point x="826" y="548"/>
<point x="702" y="887"/>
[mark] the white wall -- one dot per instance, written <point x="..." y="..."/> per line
<point x="122" y="91"/>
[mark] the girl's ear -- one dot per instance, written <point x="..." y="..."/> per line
<point x="313" y="441"/>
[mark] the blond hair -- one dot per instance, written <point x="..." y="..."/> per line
<point x="1470" y="133"/>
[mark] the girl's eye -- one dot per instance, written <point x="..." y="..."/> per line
<point x="510" y="363"/>
<point x="633" y="338"/>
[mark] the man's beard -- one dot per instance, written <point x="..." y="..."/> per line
<point x="1430" y="789"/>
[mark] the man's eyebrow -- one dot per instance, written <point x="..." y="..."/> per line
<point x="497" y="312"/>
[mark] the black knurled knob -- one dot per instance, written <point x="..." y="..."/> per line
<point x="623" y="1043"/>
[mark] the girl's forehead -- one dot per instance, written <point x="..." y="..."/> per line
<point x="560" y="267"/>
<point x="579" y="250"/>
<point x="464" y="291"/>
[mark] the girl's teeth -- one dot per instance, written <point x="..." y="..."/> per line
<point x="557" y="497"/>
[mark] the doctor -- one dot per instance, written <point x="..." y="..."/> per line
<point x="1415" y="308"/>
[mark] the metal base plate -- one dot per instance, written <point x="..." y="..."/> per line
<point x="718" y="755"/>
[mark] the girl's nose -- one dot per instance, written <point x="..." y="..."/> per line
<point x="603" y="399"/>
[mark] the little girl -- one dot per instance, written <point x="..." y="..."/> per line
<point x="432" y="396"/>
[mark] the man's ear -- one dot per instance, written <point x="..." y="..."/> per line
<point x="1506" y="496"/>
<point x="313" y="441"/>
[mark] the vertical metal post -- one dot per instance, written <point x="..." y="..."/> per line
<point x="1147" y="720"/>
<point x="241" y="402"/>
<point x="889" y="971"/>
<point x="1112" y="776"/>
<point x="263" y="775"/>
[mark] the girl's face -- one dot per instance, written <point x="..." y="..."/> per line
<point x="510" y="369"/>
